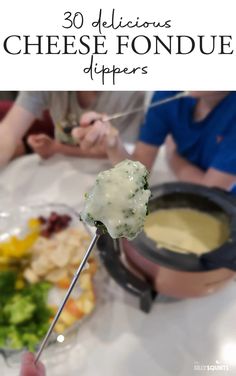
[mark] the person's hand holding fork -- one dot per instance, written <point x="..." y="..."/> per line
<point x="95" y="131"/>
<point x="29" y="368"/>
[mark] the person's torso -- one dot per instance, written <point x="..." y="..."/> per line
<point x="64" y="108"/>
<point x="199" y="142"/>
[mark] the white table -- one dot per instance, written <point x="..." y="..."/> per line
<point x="120" y="340"/>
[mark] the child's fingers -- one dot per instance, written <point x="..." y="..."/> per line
<point x="94" y="135"/>
<point x="28" y="367"/>
<point x="38" y="140"/>
<point x="79" y="133"/>
<point x="89" y="118"/>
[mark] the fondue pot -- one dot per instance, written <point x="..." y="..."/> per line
<point x="145" y="269"/>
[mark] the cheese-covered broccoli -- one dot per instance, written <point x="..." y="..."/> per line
<point x="118" y="200"/>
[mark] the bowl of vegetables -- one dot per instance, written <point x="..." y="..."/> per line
<point x="41" y="247"/>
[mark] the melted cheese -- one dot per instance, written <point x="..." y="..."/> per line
<point x="119" y="200"/>
<point x="186" y="230"/>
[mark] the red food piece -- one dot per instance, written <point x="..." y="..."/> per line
<point x="54" y="217"/>
<point x="42" y="220"/>
<point x="54" y="223"/>
<point x="45" y="233"/>
<point x="65" y="218"/>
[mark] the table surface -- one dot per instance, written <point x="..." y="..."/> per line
<point x="176" y="338"/>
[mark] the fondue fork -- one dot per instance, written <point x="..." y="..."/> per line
<point x="72" y="285"/>
<point x="119" y="115"/>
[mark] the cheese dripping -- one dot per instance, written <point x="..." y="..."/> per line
<point x="119" y="200"/>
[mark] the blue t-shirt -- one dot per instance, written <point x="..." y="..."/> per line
<point x="210" y="143"/>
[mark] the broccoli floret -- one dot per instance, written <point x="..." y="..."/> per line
<point x="145" y="182"/>
<point x="7" y="282"/>
<point x="101" y="227"/>
<point x="39" y="293"/>
<point x="19" y="309"/>
<point x="42" y="328"/>
<point x="24" y="317"/>
<point x="13" y="338"/>
<point x="123" y="191"/>
<point x="3" y="333"/>
<point x="30" y="341"/>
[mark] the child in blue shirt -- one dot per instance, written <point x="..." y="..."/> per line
<point x="202" y="126"/>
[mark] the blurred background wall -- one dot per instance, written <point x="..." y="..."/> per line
<point x="8" y="95"/>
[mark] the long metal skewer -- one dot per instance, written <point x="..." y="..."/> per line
<point x="146" y="107"/>
<point x="72" y="285"/>
<point x="118" y="115"/>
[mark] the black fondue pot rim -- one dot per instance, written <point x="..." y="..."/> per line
<point x="188" y="262"/>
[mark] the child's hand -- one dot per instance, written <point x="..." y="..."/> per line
<point x="28" y="367"/>
<point x="42" y="145"/>
<point x="94" y="131"/>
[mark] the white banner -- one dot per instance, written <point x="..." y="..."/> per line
<point x="117" y="45"/>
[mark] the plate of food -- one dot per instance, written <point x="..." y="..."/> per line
<point x="41" y="247"/>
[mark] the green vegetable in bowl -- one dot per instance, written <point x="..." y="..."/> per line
<point x="7" y="281"/>
<point x="24" y="314"/>
<point x="30" y="340"/>
<point x="14" y="337"/>
<point x="19" y="309"/>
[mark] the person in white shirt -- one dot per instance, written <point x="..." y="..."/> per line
<point x="65" y="108"/>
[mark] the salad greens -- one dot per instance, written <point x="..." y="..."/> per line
<point x="24" y="314"/>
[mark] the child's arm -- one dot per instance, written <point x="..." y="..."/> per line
<point x="75" y="151"/>
<point x="103" y="133"/>
<point x="12" y="129"/>
<point x="46" y="147"/>
<point x="185" y="171"/>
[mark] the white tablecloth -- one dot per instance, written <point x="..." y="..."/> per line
<point x="59" y="179"/>
<point x="118" y="340"/>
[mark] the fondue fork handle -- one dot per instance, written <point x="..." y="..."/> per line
<point x="146" y="107"/>
<point x="72" y="285"/>
<point x="135" y="110"/>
